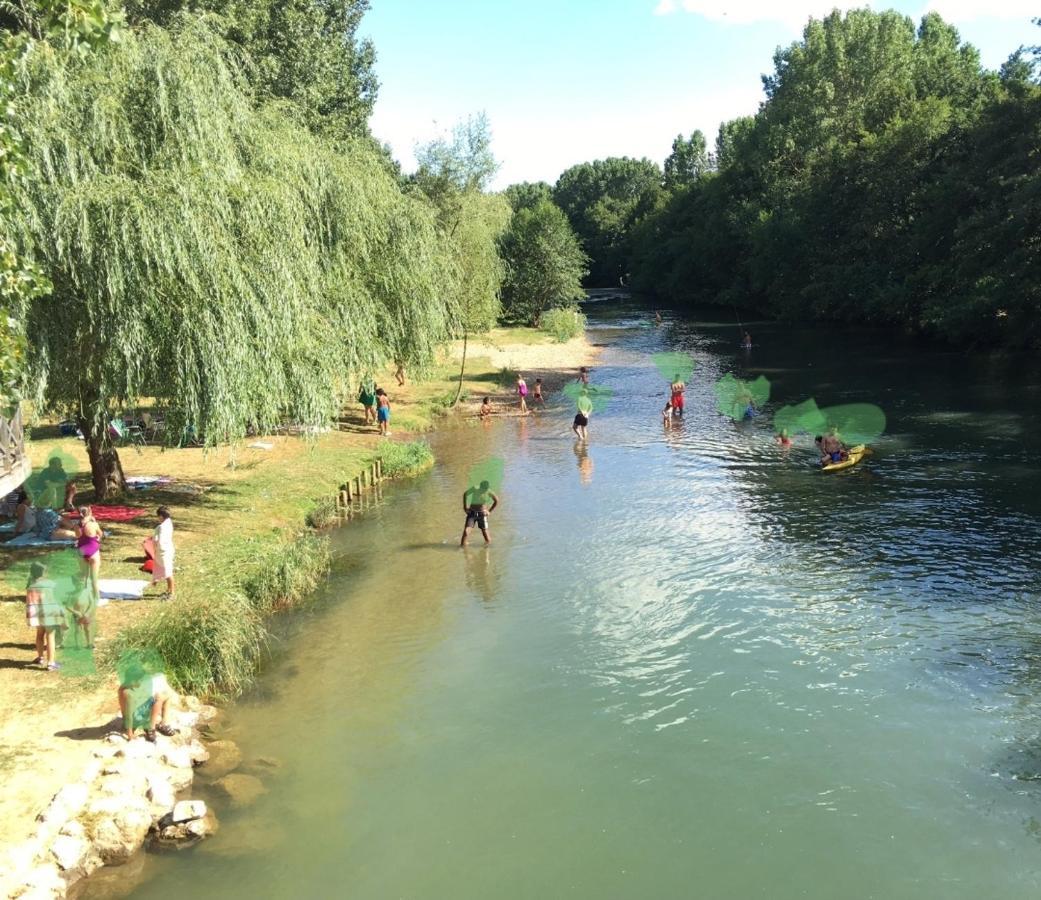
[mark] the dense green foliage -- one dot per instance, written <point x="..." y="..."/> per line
<point x="887" y="178"/>
<point x="74" y="26"/>
<point x="206" y="250"/>
<point x="603" y="200"/>
<point x="305" y="51"/>
<point x="544" y="263"/>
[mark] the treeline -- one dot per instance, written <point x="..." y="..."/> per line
<point x="887" y="178"/>
<point x="193" y="209"/>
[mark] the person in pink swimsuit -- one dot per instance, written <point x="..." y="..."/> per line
<point x="88" y="542"/>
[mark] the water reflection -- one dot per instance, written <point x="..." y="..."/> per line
<point x="584" y="460"/>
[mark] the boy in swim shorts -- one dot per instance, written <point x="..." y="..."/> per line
<point x="475" y="505"/>
<point x="382" y="411"/>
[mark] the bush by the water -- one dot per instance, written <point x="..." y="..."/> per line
<point x="404" y="458"/>
<point x="563" y="324"/>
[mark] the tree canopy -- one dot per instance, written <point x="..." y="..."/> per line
<point x="206" y="250"/>
<point x="886" y="178"/>
<point x="603" y="200"/>
<point x="544" y="263"/>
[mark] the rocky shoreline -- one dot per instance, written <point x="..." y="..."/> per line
<point x="132" y="793"/>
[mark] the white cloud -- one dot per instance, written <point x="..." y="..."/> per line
<point x="793" y="13"/>
<point x="968" y="10"/>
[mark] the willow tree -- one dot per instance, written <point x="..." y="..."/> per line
<point x="208" y="252"/>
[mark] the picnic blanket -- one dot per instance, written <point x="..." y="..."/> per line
<point x="115" y="513"/>
<point x="121" y="588"/>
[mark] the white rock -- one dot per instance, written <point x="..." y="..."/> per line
<point x="138" y="749"/>
<point x="66" y="804"/>
<point x="106" y="751"/>
<point x="161" y="795"/>
<point x="187" y="810"/>
<point x="73" y="828"/>
<point x="178" y="757"/>
<point x="44" y="882"/>
<point x="180" y="779"/>
<point x="198" y="752"/>
<point x="69" y="852"/>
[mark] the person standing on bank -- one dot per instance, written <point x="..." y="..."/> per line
<point x="164" y="552"/>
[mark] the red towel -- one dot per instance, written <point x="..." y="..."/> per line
<point x="115" y="513"/>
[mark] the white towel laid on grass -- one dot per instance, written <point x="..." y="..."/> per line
<point x="122" y="588"/>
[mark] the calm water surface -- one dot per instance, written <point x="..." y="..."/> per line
<point x="690" y="665"/>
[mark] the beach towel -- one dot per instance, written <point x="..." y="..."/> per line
<point x="121" y="588"/>
<point x="115" y="513"/>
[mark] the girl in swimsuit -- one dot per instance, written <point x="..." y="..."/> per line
<point x="88" y="542"/>
<point x="522" y="392"/>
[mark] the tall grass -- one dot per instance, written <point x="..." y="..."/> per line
<point x="284" y="573"/>
<point x="400" y="459"/>
<point x="210" y="645"/>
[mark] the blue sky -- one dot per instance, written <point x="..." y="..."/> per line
<point x="565" y="81"/>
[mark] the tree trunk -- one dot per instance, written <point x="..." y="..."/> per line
<point x="462" y="369"/>
<point x="106" y="471"/>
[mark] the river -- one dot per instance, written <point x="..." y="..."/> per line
<point x="690" y="664"/>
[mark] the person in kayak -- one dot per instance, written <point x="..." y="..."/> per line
<point x="475" y="505"/>
<point x="676" y="389"/>
<point x="831" y="448"/>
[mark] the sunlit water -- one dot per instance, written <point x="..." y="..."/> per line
<point x="690" y="665"/>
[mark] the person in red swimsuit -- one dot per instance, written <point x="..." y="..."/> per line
<point x="677" y="387"/>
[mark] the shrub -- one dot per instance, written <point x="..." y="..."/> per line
<point x="563" y="324"/>
<point x="404" y="458"/>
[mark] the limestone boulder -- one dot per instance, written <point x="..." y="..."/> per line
<point x="117" y="825"/>
<point x="262" y="766"/>
<point x="187" y="810"/>
<point x="179" y="835"/>
<point x="66" y="804"/>
<point x="224" y="757"/>
<point x="239" y="790"/>
<point x="44" y="882"/>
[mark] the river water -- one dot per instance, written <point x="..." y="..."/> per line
<point x="690" y="665"/>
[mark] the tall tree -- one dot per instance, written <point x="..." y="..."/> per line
<point x="603" y="200"/>
<point x="214" y="255"/>
<point x="544" y="263"/>
<point x="453" y="172"/>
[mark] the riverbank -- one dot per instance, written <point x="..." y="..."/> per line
<point x="239" y="513"/>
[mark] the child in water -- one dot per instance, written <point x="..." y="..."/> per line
<point x="783" y="440"/>
<point x="537" y="395"/>
<point x="522" y="392"/>
<point x="666" y="414"/>
<point x="486" y="408"/>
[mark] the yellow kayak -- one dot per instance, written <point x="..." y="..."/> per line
<point x="856" y="454"/>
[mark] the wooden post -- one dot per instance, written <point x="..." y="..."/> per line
<point x="357" y="486"/>
<point x="379" y="469"/>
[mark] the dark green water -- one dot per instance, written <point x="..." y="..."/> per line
<point x="691" y="665"/>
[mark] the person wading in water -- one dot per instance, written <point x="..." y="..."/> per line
<point x="475" y="505"/>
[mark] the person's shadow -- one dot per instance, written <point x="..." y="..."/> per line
<point x="92" y="732"/>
